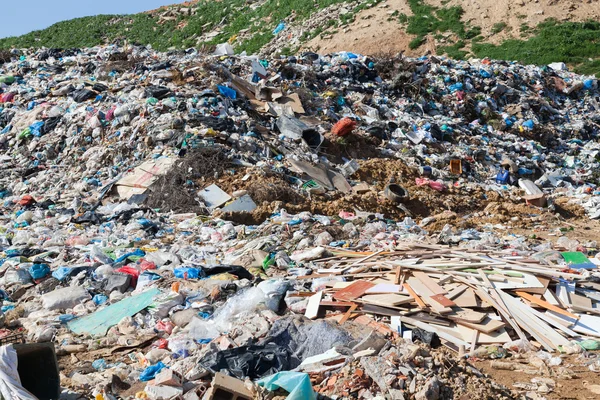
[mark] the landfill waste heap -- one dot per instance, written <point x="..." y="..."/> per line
<point x="185" y="226"/>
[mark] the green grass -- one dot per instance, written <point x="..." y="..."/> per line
<point x="577" y="44"/>
<point x="453" y="51"/>
<point x="427" y="19"/>
<point x="571" y="42"/>
<point x="144" y="28"/>
<point x="416" y="42"/>
<point x="498" y="27"/>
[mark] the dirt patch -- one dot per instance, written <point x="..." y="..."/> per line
<point x="376" y="31"/>
<point x="487" y="13"/>
<point x="568" y="209"/>
<point x="174" y="190"/>
<point x="565" y="388"/>
<point x="373" y="31"/>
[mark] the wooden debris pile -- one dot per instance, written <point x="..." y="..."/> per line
<point x="468" y="298"/>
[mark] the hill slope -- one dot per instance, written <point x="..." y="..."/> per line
<point x="530" y="31"/>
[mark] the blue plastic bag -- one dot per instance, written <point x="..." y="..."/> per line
<point x="136" y="253"/>
<point x="227" y="92"/>
<point x="150" y="372"/>
<point x="456" y="87"/>
<point x="38" y="271"/>
<point x="502" y="177"/>
<point x="296" y="383"/>
<point x="99" y="299"/>
<point x="61" y="273"/>
<point x="187" y="273"/>
<point x="279" y="28"/>
<point x="36" y="128"/>
<point x="529" y="124"/>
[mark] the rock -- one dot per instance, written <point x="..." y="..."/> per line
<point x="430" y="391"/>
<point x="182" y="318"/>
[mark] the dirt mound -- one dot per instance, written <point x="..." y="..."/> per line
<point x="377" y="30"/>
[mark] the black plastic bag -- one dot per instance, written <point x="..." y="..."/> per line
<point x="426" y="337"/>
<point x="254" y="361"/>
<point x="237" y="270"/>
<point x="82" y="95"/>
<point x="99" y="87"/>
<point x="49" y="125"/>
<point x="158" y="92"/>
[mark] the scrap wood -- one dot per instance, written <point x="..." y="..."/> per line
<point x="486" y="297"/>
<point x="545" y="304"/>
<point x="348" y="313"/>
<point x="543" y="333"/>
<point x="357" y="289"/>
<point x="430" y="328"/>
<point x="410" y="291"/>
<point x="312" y="308"/>
<point x="488" y="325"/>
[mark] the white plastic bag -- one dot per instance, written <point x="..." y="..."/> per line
<point x="10" y="383"/>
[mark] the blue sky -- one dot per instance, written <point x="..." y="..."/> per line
<point x="23" y="17"/>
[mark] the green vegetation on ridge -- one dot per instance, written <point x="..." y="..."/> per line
<point x="577" y="44"/>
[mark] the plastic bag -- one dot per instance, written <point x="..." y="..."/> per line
<point x="150" y="372"/>
<point x="130" y="271"/>
<point x="162" y="304"/>
<point x="297" y="385"/>
<point x="187" y="273"/>
<point x="254" y="361"/>
<point x="64" y="298"/>
<point x="245" y="301"/>
<point x="38" y="271"/>
<point x="10" y="383"/>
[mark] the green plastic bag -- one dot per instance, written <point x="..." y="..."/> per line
<point x="590" y="344"/>
<point x="297" y="384"/>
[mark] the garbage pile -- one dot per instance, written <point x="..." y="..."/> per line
<point x="182" y="225"/>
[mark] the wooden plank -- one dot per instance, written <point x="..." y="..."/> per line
<point x="379" y="310"/>
<point x="550" y="298"/>
<point x="312" y="308"/>
<point x="386" y="300"/>
<point x="498" y="303"/>
<point x="467" y="299"/>
<point x="341" y="285"/>
<point x="429" y="283"/>
<point x="579" y="301"/>
<point x="431" y="328"/>
<point x="488" y="325"/>
<point x="414" y="295"/>
<point x="454" y="293"/>
<point x="443" y="300"/>
<point x="353" y="291"/>
<point x="474" y="339"/>
<point x="419" y="287"/>
<point x="544" y="281"/>
<point x="357" y="267"/>
<point x="466" y="315"/>
<point x="544" y="304"/>
<point x="586" y="324"/>
<point x="509" y="318"/>
<point x="539" y="329"/>
<point x="348" y="314"/>
<point x="325" y="303"/>
<point x="383" y="288"/>
<point x="398" y="274"/>
<point x="498" y="336"/>
<point x="430" y="319"/>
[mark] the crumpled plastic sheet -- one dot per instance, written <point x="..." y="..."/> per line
<point x="254" y="361"/>
<point x="296" y="383"/>
<point x="10" y="383"/>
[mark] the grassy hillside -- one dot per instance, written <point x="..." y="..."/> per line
<point x="249" y="26"/>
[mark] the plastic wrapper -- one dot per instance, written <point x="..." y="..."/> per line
<point x="297" y="385"/>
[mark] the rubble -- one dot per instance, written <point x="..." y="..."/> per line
<point x="324" y="225"/>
